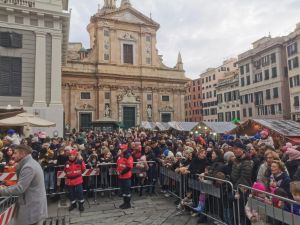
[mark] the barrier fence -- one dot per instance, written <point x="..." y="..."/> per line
<point x="7" y="210"/>
<point x="266" y="208"/>
<point x="218" y="201"/>
<point x="214" y="198"/>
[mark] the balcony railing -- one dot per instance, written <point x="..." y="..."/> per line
<point x="26" y="3"/>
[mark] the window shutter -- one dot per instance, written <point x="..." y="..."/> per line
<point x="16" y="40"/>
<point x="4" y="76"/>
<point x="5" y="39"/>
<point x="16" y="76"/>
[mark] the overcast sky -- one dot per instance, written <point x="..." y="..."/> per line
<point x="206" y="32"/>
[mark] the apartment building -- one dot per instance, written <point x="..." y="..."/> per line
<point x="293" y="54"/>
<point x="209" y="81"/>
<point x="193" y="101"/>
<point x="264" y="92"/>
<point x="228" y="97"/>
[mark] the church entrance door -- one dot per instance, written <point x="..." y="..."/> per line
<point x="128" y="117"/>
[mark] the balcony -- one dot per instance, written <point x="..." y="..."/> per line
<point x="24" y="3"/>
<point x="297" y="108"/>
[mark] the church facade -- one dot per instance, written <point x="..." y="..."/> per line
<point x="121" y="77"/>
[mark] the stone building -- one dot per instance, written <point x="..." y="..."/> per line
<point x="33" y="37"/>
<point x="209" y="82"/>
<point x="264" y="91"/>
<point x="193" y="101"/>
<point x="228" y="97"/>
<point x="293" y="55"/>
<point x="121" y="77"/>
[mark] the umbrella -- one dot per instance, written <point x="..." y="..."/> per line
<point x="24" y="119"/>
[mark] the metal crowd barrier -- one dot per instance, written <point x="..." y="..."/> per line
<point x="104" y="178"/>
<point x="212" y="197"/>
<point x="266" y="208"/>
<point x="7" y="210"/>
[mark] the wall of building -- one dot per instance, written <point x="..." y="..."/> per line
<point x="27" y="53"/>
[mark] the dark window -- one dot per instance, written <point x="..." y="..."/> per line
<point x="85" y="95"/>
<point x="242" y="82"/>
<point x="85" y="120"/>
<point x="149" y="97"/>
<point x="274" y="72"/>
<point x="292" y="49"/>
<point x="128" y="53"/>
<point x="214" y="77"/>
<point x="297" y="80"/>
<point x="10" y="76"/>
<point x="296" y="101"/>
<point x="275" y="92"/>
<point x="107" y="95"/>
<point x="268" y="94"/>
<point x="291" y="82"/>
<point x="238" y="114"/>
<point x="248" y="80"/>
<point x="10" y="40"/>
<point x="215" y="93"/>
<point x="247" y="68"/>
<point x="250" y="112"/>
<point x="273" y="58"/>
<point x="241" y="70"/>
<point x="206" y="79"/>
<point x="166" y="117"/>
<point x="148" y="38"/>
<point x="267" y="75"/>
<point x="209" y="78"/>
<point x="272" y="109"/>
<point x="244" y="112"/>
<point x="166" y="98"/>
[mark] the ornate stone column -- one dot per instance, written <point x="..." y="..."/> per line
<point x="40" y="70"/>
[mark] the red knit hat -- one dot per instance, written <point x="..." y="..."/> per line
<point x="259" y="186"/>
<point x="74" y="152"/>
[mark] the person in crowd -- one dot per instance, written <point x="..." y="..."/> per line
<point x="295" y="190"/>
<point x="257" y="217"/>
<point x="32" y="202"/>
<point x="143" y="167"/>
<point x="266" y="138"/>
<point x="293" y="163"/>
<point x="124" y="170"/>
<point x="13" y="137"/>
<point x="74" y="169"/>
<point x="264" y="171"/>
<point x="279" y="177"/>
<point x="228" y="159"/>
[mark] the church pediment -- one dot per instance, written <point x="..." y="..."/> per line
<point x="130" y="15"/>
<point x="128" y="97"/>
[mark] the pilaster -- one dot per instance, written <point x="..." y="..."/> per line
<point x="56" y="71"/>
<point x="40" y="70"/>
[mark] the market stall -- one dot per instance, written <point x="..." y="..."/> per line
<point x="282" y="131"/>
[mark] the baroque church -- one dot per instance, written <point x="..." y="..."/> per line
<point x="121" y="78"/>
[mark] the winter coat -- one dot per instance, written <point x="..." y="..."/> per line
<point x="32" y="202"/>
<point x="74" y="170"/>
<point x="242" y="172"/>
<point x="263" y="174"/>
<point x="125" y="162"/>
<point x="292" y="167"/>
<point x="198" y="166"/>
<point x="282" y="181"/>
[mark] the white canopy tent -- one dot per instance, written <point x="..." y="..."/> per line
<point x="26" y="119"/>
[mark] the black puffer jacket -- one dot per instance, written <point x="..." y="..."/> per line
<point x="292" y="167"/>
<point x="242" y="172"/>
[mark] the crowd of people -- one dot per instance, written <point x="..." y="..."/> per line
<point x="250" y="161"/>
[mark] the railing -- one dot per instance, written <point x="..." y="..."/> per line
<point x="26" y="3"/>
<point x="7" y="210"/>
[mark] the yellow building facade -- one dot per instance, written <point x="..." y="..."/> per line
<point x="121" y="77"/>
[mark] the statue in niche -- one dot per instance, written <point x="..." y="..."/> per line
<point x="107" y="111"/>
<point x="149" y="111"/>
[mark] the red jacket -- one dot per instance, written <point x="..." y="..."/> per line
<point x="124" y="162"/>
<point x="74" y="172"/>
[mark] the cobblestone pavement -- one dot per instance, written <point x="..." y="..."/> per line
<point x="157" y="210"/>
